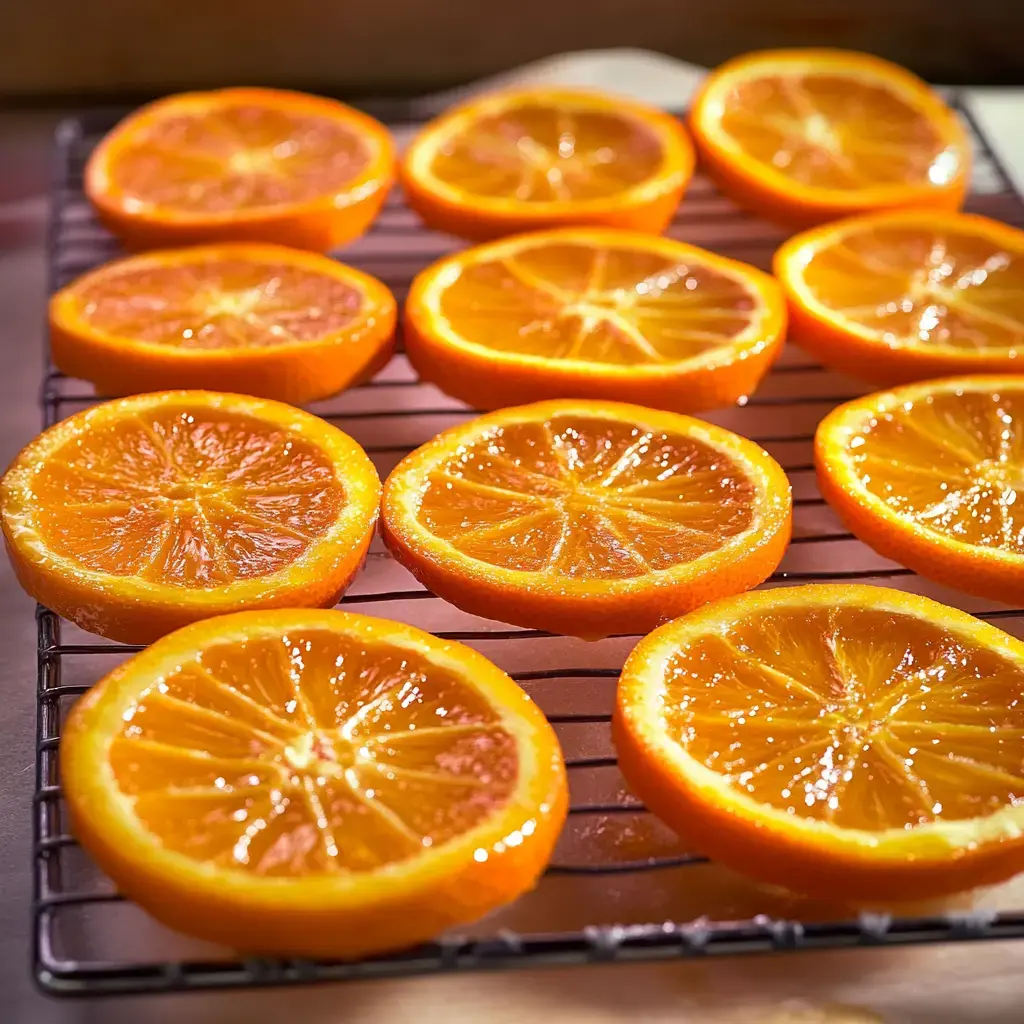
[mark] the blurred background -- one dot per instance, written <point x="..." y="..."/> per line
<point x="56" y="50"/>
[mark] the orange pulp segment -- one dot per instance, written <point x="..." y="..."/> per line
<point x="804" y="136"/>
<point x="137" y="516"/>
<point x="929" y="475"/>
<point x="263" y="165"/>
<point x="313" y="783"/>
<point x="587" y="518"/>
<point x="837" y="740"/>
<point x="262" y="320"/>
<point x="594" y="313"/>
<point x="896" y="297"/>
<point x="544" y="157"/>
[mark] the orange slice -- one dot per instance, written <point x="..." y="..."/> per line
<point x="843" y="741"/>
<point x="313" y="783"/>
<point x="897" y="297"/>
<point x="260" y="319"/>
<point x="592" y="313"/>
<point x="262" y="165"/>
<point x="587" y="518"/>
<point x="140" y="515"/>
<point x="546" y="157"/>
<point x="929" y="475"/>
<point x="805" y="136"/>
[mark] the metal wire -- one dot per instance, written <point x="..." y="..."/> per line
<point x="565" y="676"/>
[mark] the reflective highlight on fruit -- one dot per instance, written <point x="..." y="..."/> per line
<point x="195" y="498"/>
<point x="586" y="497"/>
<point x="137" y="516"/>
<point x="514" y="161"/>
<point x="903" y="296"/>
<point x="310" y="753"/>
<point x="223" y="301"/>
<point x="536" y="152"/>
<point x="237" y="155"/>
<point x="930" y="473"/>
<point x="313" y="783"/>
<point x="594" y="313"/>
<point x="586" y="517"/>
<point x="833" y="739"/>
<point x="804" y="136"/>
<point x="612" y="304"/>
<point x="807" y="125"/>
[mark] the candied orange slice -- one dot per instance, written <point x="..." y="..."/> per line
<point x="261" y="165"/>
<point x="262" y="320"/>
<point x="546" y="157"/>
<point x="592" y="313"/>
<point x="843" y="741"/>
<point x="587" y="518"/>
<point x="140" y="515"/>
<point x="313" y="783"/>
<point x="805" y="136"/>
<point x="932" y="476"/>
<point x="897" y="297"/>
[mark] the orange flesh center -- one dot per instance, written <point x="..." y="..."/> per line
<point x="219" y="303"/>
<point x="915" y="286"/>
<point x="866" y="719"/>
<point x="953" y="464"/>
<point x="311" y="753"/>
<point x="586" y="498"/>
<point x="236" y="156"/>
<point x="832" y="131"/>
<point x="188" y="498"/>
<point x="601" y="305"/>
<point x="544" y="154"/>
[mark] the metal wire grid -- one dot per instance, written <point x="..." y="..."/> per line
<point x="620" y="887"/>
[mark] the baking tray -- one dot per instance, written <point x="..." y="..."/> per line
<point x="621" y="887"/>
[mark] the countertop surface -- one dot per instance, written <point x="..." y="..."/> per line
<point x="979" y="982"/>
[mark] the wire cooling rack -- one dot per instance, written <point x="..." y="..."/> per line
<point x="621" y="887"/>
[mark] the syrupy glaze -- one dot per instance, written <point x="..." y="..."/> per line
<point x="828" y="131"/>
<point x="311" y="753"/>
<point x="540" y="153"/>
<point x="598" y="303"/>
<point x="237" y="156"/>
<point x="858" y="716"/>
<point x="918" y="285"/>
<point x="952" y="462"/>
<point x="218" y="302"/>
<point x="195" y="499"/>
<point x="586" y="498"/>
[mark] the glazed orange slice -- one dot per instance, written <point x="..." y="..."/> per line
<point x="931" y="475"/>
<point x="897" y="297"/>
<point x="547" y="157"/>
<point x="842" y="741"/>
<point x="261" y="165"/>
<point x="259" y="319"/>
<point x="593" y="313"/>
<point x="805" y="136"/>
<point x="587" y="518"/>
<point x="313" y="783"/>
<point x="140" y="515"/>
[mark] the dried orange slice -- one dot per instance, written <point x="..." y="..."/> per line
<point x="313" y="783"/>
<point x="897" y="297"/>
<point x="140" y="515"/>
<point x="262" y="320"/>
<point x="805" y="136"/>
<point x="592" y="313"/>
<point x="587" y="518"/>
<point x="932" y="476"/>
<point x="261" y="165"/>
<point x="546" y="157"/>
<point x="844" y="741"/>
